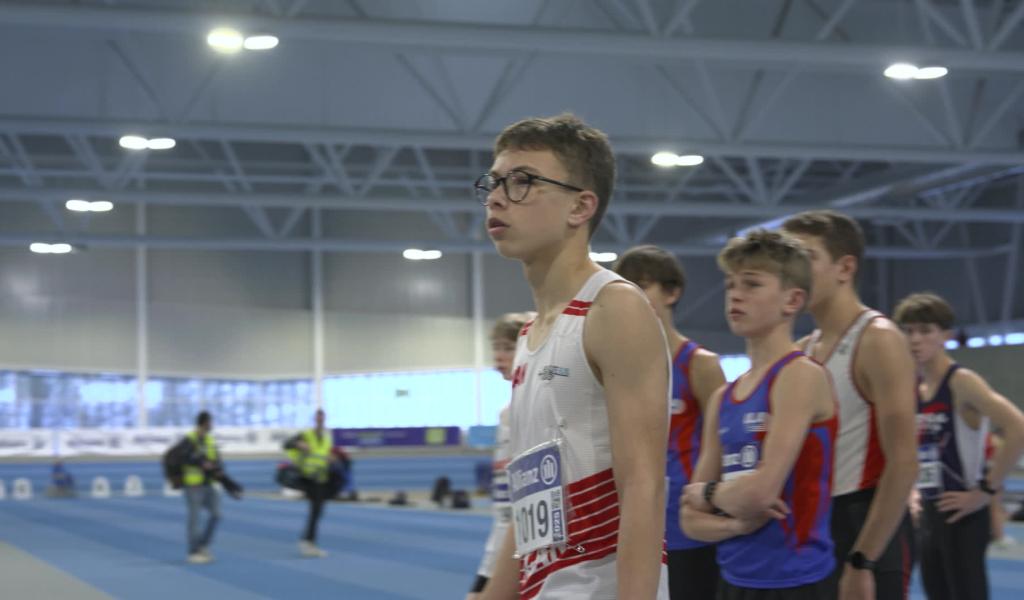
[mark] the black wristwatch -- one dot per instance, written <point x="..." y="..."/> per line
<point x="709" y="492"/>
<point x="857" y="560"/>
<point x="985" y="487"/>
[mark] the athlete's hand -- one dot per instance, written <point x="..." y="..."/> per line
<point x="777" y="510"/>
<point x="962" y="504"/>
<point x="693" y="496"/>
<point x="914" y="505"/>
<point x="857" y="584"/>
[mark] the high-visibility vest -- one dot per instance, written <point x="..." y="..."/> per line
<point x="191" y="474"/>
<point x="313" y="464"/>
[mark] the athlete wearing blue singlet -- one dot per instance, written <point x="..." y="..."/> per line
<point x="696" y="374"/>
<point x="763" y="483"/>
<point x="755" y="560"/>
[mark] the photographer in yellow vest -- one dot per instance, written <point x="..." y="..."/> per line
<point x="311" y="452"/>
<point x="201" y="465"/>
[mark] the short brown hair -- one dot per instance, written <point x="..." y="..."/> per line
<point x="650" y="264"/>
<point x="508" y="325"/>
<point x="583" y="150"/>
<point x="926" y="308"/>
<point x="770" y="251"/>
<point x="840" y="234"/>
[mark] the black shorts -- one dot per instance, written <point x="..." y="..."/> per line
<point x="892" y="575"/>
<point x="953" y="554"/>
<point x="821" y="590"/>
<point x="692" y="573"/>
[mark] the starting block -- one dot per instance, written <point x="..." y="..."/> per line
<point x="100" y="487"/>
<point x="133" y="487"/>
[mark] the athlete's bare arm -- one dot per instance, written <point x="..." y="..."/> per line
<point x="504" y="581"/>
<point x="802" y="394"/>
<point x="972" y="393"/>
<point x="884" y="369"/>
<point x="624" y="343"/>
<point x="697" y="521"/>
<point x="705" y="376"/>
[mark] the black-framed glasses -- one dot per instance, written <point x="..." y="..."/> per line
<point x="516" y="184"/>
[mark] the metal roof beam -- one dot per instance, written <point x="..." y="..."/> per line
<point x="469" y="205"/>
<point x="505" y="39"/>
<point x="644" y="146"/>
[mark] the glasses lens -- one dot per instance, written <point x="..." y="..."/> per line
<point x="518" y="185"/>
<point x="483" y="187"/>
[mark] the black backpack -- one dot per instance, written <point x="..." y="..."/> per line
<point x="174" y="463"/>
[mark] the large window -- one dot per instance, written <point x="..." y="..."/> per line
<point x="414" y="399"/>
<point x="48" y="399"/>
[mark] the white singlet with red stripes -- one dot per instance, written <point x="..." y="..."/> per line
<point x="858" y="456"/>
<point x="556" y="395"/>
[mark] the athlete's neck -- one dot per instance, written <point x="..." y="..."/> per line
<point x="765" y="350"/>
<point x="556" y="279"/>
<point x="835" y="314"/>
<point x="935" y="369"/>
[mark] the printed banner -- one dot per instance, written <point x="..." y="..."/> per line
<point x="26" y="442"/>
<point x="398" y="436"/>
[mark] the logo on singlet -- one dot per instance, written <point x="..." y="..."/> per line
<point x="548" y="373"/>
<point x="755" y="422"/>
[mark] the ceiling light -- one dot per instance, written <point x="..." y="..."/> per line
<point x="1015" y="338"/>
<point x="78" y="205"/>
<point x="133" y="142"/>
<point x="931" y="72"/>
<point x="603" y="257"/>
<point x="225" y="39"/>
<point x="417" y="254"/>
<point x="975" y="342"/>
<point x="260" y="42"/>
<point x="665" y="159"/>
<point x="671" y="159"/>
<point x="909" y="71"/>
<point x="901" y="71"/>
<point x="44" y="248"/>
<point x="161" y="143"/>
<point x="995" y="340"/>
<point x="952" y="344"/>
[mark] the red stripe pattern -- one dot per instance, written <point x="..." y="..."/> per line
<point x="577" y="308"/>
<point x="593" y="532"/>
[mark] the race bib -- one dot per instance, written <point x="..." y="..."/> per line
<point x="538" y="499"/>
<point x="929" y="474"/>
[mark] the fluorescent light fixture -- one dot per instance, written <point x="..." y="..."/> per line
<point x="44" y="248"/>
<point x="417" y="254"/>
<point x="671" y="159"/>
<point x="603" y="256"/>
<point x="906" y="71"/>
<point x="79" y="205"/>
<point x="161" y="143"/>
<point x="901" y="71"/>
<point x="260" y="42"/>
<point x="664" y="159"/>
<point x="133" y="142"/>
<point x="975" y="342"/>
<point x="225" y="39"/>
<point x="1015" y="338"/>
<point x="995" y="340"/>
<point x="931" y="72"/>
<point x="952" y="344"/>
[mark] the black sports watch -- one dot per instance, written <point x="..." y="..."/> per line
<point x="857" y="560"/>
<point x="985" y="487"/>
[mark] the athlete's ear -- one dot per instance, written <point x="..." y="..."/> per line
<point x="584" y="207"/>
<point x="796" y="300"/>
<point x="847" y="267"/>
